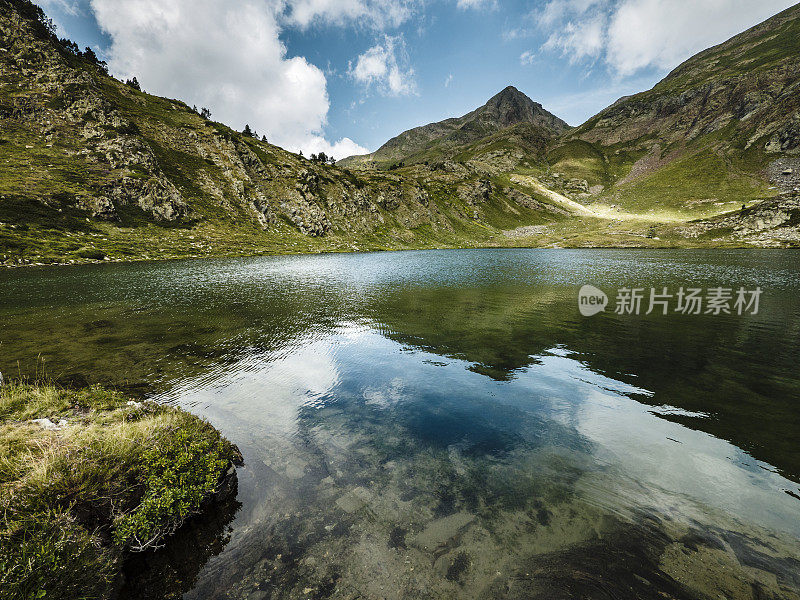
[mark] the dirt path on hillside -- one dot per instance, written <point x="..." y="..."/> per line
<point x="598" y="212"/>
<point x="554" y="197"/>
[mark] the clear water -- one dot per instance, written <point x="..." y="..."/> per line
<point x="445" y="424"/>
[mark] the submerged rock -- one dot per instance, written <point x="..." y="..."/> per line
<point x="354" y="500"/>
<point x="442" y="531"/>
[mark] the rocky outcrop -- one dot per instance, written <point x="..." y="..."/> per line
<point x="786" y="138"/>
<point x="771" y="223"/>
<point x="63" y="104"/>
<point x="476" y="193"/>
<point x="784" y="174"/>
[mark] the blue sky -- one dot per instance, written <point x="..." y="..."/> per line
<point x="346" y="75"/>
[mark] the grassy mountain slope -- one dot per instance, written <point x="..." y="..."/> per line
<point x="91" y="168"/>
<point x="720" y="132"/>
<point x="707" y="137"/>
<point x="451" y="138"/>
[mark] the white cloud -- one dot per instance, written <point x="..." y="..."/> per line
<point x="380" y="14"/>
<point x="69" y="7"/>
<point x="224" y="55"/>
<point x="341" y="149"/>
<point x="629" y="35"/>
<point x="555" y="10"/>
<point x="467" y="4"/>
<point x="663" y="33"/>
<point x="527" y="58"/>
<point x="579" y="39"/>
<point x="448" y="80"/>
<point x="385" y="67"/>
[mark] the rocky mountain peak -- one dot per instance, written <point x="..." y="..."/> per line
<point x="510" y="106"/>
<point x="511" y="96"/>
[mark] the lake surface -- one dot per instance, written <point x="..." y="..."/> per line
<point x="446" y="424"/>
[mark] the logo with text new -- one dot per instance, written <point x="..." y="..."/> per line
<point x="591" y="300"/>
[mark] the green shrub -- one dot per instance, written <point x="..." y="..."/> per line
<point x="92" y="253"/>
<point x="180" y="469"/>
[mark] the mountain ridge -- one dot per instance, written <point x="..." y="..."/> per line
<point x="727" y="115"/>
<point x="507" y="108"/>
<point x="95" y="169"/>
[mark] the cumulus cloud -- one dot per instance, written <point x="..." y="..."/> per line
<point x="224" y="55"/>
<point x="385" y="67"/>
<point x="579" y="39"/>
<point x="629" y="35"/>
<point x="341" y="149"/>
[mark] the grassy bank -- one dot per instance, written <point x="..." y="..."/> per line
<point x="117" y="245"/>
<point x="103" y="477"/>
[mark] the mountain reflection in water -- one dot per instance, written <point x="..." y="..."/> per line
<point x="446" y="424"/>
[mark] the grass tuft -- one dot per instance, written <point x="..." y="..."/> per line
<point x="118" y="477"/>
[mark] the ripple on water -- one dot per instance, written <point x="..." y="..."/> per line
<point x="446" y="425"/>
